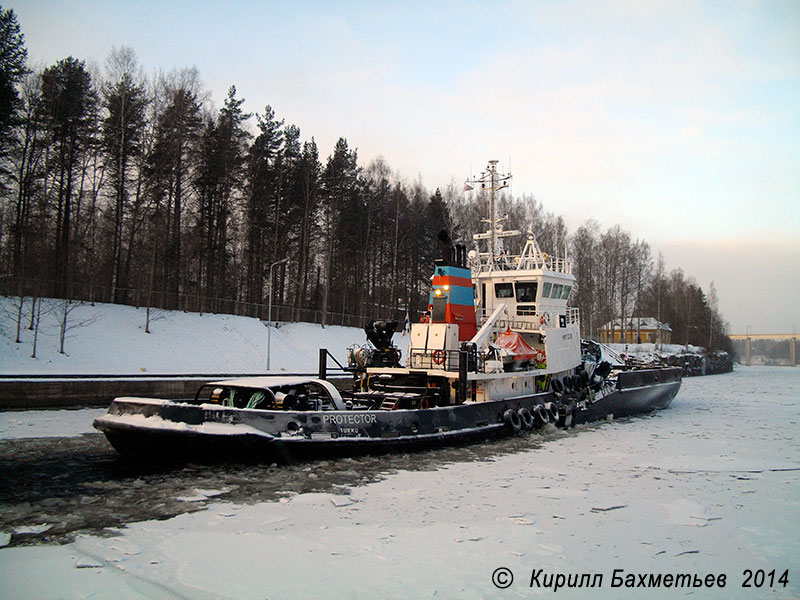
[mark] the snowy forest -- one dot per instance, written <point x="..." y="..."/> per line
<point x="120" y="187"/>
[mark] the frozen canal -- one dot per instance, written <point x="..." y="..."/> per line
<point x="707" y="489"/>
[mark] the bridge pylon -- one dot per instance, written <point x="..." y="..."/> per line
<point x="748" y="337"/>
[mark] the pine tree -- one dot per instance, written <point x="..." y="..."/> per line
<point x="12" y="69"/>
<point x="69" y="108"/>
<point x="308" y="188"/>
<point x="26" y="161"/>
<point x="170" y="167"/>
<point x="125" y="103"/>
<point x="219" y="179"/>
<point x="261" y="178"/>
<point x="340" y="198"/>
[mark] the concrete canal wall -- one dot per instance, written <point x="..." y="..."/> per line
<point x="69" y="392"/>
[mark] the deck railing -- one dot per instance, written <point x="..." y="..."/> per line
<point x="538" y="321"/>
<point x="446" y="360"/>
<point x="521" y="262"/>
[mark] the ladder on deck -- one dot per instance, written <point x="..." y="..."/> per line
<point x="392" y="400"/>
<point x="390" y="403"/>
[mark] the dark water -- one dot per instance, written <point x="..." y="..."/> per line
<point x="81" y="485"/>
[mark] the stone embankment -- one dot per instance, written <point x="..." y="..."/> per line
<point x="696" y="364"/>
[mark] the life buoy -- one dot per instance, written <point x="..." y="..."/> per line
<point x="438" y="356"/>
<point x="424" y="403"/>
<point x="544" y="319"/>
<point x="526" y="417"/>
<point x="540" y="358"/>
<point x="513" y="422"/>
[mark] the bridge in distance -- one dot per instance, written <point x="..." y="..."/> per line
<point x="749" y="337"/>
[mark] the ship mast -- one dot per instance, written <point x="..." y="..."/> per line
<point x="492" y="181"/>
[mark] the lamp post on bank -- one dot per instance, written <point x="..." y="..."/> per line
<point x="688" y="327"/>
<point x="269" y="310"/>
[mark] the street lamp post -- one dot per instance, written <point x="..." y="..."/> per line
<point x="688" y="327"/>
<point x="269" y="310"/>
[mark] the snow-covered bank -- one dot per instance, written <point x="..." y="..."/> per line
<point x="694" y="360"/>
<point x="645" y="351"/>
<point x="111" y="339"/>
<point x="710" y="486"/>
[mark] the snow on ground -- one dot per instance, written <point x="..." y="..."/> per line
<point x="710" y="486"/>
<point x="642" y="350"/>
<point x="615" y="353"/>
<point x="111" y="339"/>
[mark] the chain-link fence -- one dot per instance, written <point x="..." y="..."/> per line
<point x="89" y="292"/>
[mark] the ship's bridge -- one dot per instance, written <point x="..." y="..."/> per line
<point x="533" y="286"/>
<point x="530" y="259"/>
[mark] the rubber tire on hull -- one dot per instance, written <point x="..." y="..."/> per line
<point x="526" y="417"/>
<point x="552" y="411"/>
<point x="512" y="420"/>
<point x="542" y="418"/>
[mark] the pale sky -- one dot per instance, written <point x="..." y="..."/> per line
<point x="678" y="120"/>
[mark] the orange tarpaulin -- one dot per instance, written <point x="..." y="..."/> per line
<point x="515" y="345"/>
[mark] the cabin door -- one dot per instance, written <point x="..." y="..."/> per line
<point x="439" y="310"/>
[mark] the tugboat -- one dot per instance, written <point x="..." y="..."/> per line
<point x="498" y="352"/>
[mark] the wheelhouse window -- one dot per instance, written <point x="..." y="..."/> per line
<point x="503" y="290"/>
<point x="557" y="288"/>
<point x="526" y="291"/>
<point x="546" y="290"/>
<point x="565" y="293"/>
